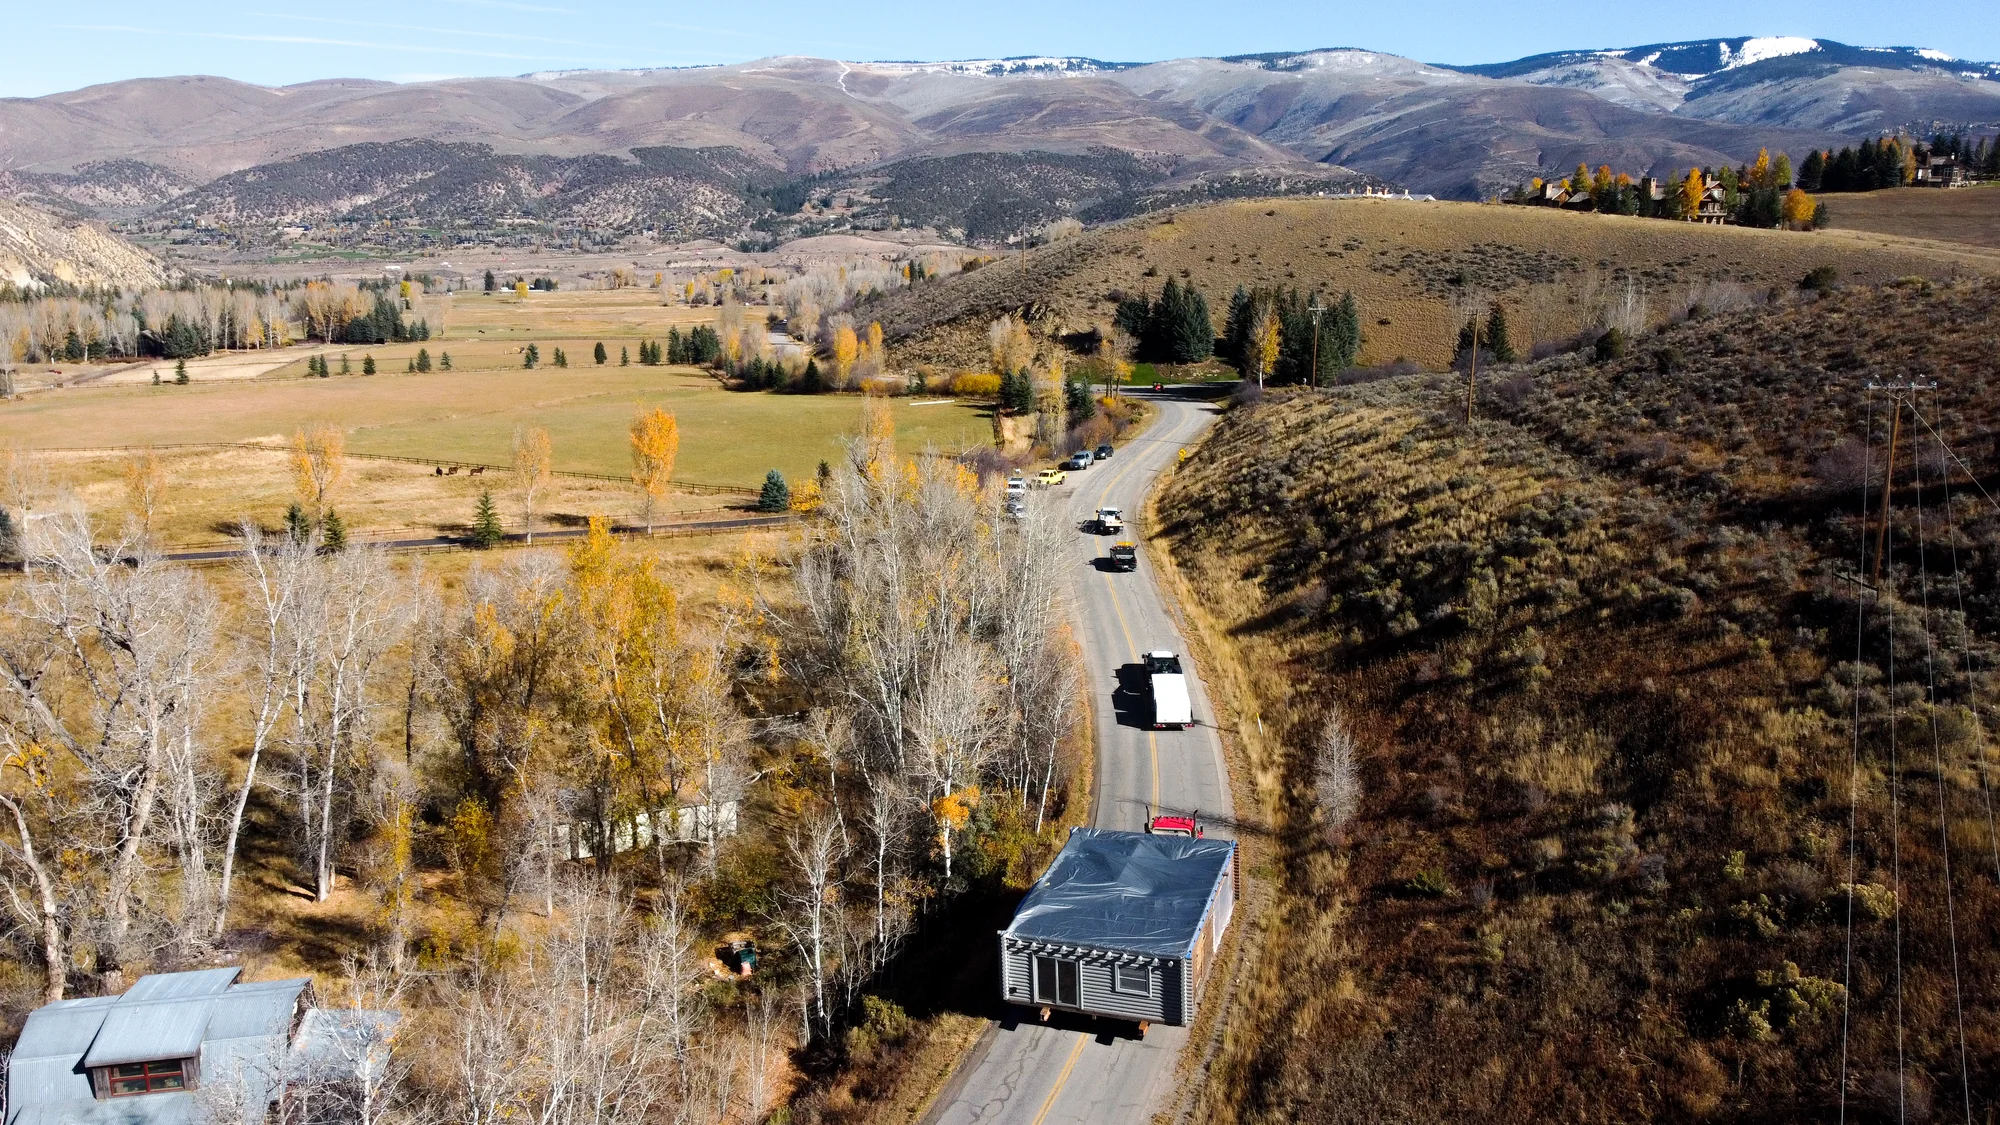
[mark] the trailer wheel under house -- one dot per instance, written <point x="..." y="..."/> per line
<point x="1124" y="925"/>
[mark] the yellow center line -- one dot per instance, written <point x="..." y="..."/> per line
<point x="1049" y="1102"/>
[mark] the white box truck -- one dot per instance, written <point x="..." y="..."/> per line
<point x="1171" y="709"/>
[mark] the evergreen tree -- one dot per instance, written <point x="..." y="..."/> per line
<point x="1497" y="341"/>
<point x="1078" y="402"/>
<point x="809" y="383"/>
<point x="1340" y="349"/>
<point x="1192" y="338"/>
<point x="10" y="539"/>
<point x="599" y="354"/>
<point x="444" y="361"/>
<point x="676" y="349"/>
<point x="346" y="368"/>
<point x="486" y="531"/>
<point x="561" y="360"/>
<point x="297" y="526"/>
<point x="333" y="532"/>
<point x="410" y="366"/>
<point x="181" y="372"/>
<point x="624" y="356"/>
<point x="776" y="495"/>
<point x="367" y="364"/>
<point x="531" y="357"/>
<point x="1131" y="316"/>
<point x="490" y="284"/>
<point x="1812" y="170"/>
<point x="423" y="359"/>
<point x="1236" y="329"/>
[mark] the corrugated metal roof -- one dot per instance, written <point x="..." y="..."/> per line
<point x="180" y="986"/>
<point x="254" y="1010"/>
<point x="65" y="1027"/>
<point x="1127" y="891"/>
<point x="164" y="1029"/>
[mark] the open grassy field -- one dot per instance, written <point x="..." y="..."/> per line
<point x="726" y="437"/>
<point x="1966" y="215"/>
<point x="1406" y="263"/>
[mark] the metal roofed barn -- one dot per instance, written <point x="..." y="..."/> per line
<point x="182" y="1048"/>
<point x="1123" y="924"/>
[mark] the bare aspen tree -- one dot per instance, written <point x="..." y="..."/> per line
<point x="1336" y="774"/>
<point x="272" y="650"/>
<point x="810" y="903"/>
<point x="886" y="817"/>
<point x="952" y="730"/>
<point x="145" y="490"/>
<point x="532" y="471"/>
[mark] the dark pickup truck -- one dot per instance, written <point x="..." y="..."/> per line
<point x="1124" y="556"/>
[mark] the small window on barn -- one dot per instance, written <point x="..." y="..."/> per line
<point x="146" y="1078"/>
<point x="1135" y="980"/>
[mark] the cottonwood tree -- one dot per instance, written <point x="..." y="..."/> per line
<point x="810" y="910"/>
<point x="98" y="678"/>
<point x="351" y="614"/>
<point x="318" y="464"/>
<point x="145" y="490"/>
<point x="655" y="440"/>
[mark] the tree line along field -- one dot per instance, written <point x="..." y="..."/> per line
<point x="1408" y="264"/>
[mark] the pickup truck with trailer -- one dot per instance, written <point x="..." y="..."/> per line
<point x="1110" y="521"/>
<point x="1124" y="556"/>
<point x="1171" y="707"/>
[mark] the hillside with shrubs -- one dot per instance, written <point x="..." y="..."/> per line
<point x="1605" y="778"/>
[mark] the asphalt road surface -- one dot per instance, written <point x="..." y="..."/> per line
<point x="1073" y="1071"/>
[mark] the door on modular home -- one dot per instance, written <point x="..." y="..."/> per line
<point x="1055" y="981"/>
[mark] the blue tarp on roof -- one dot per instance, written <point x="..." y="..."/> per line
<point x="1128" y="891"/>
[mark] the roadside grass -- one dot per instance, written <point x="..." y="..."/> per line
<point x="1405" y="263"/>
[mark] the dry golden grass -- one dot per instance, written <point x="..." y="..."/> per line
<point x="1552" y="269"/>
<point x="1969" y="216"/>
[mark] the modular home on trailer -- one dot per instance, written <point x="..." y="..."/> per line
<point x="1123" y="924"/>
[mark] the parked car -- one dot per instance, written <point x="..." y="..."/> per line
<point x="1017" y="486"/>
<point x="1078" y="461"/>
<point x="1016" y="509"/>
<point x="1104" y="452"/>
<point x="1049" y="478"/>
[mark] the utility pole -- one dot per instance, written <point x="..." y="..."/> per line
<point x="1316" y="309"/>
<point x="1897" y="391"/>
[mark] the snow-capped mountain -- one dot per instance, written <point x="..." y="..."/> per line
<point x="1775" y="80"/>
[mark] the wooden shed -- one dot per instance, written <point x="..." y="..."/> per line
<point x="1123" y="924"/>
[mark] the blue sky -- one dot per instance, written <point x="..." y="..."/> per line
<point x="65" y="46"/>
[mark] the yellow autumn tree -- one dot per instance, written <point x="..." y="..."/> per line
<point x="873" y="353"/>
<point x="846" y="350"/>
<point x="656" y="441"/>
<point x="1263" y="340"/>
<point x="318" y="464"/>
<point x="521" y="290"/>
<point x="878" y="436"/>
<point x="1799" y="209"/>
<point x="145" y="489"/>
<point x="1760" y="169"/>
<point x="1691" y="189"/>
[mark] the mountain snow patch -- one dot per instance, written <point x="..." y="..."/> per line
<point x="1768" y="47"/>
<point x="1934" y="55"/>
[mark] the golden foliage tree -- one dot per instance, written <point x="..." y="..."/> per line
<point x="846" y="350"/>
<point x="145" y="489"/>
<point x="1799" y="208"/>
<point x="1691" y="190"/>
<point x="656" y="440"/>
<point x="318" y="464"/>
<point x="1760" y="169"/>
<point x="1264" y="327"/>
<point x="534" y="454"/>
<point x="1012" y="348"/>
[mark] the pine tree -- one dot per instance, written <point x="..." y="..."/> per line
<point x="1811" y="171"/>
<point x="1193" y="333"/>
<point x="333" y="532"/>
<point x="490" y="284"/>
<point x="345" y="367"/>
<point x="423" y="359"/>
<point x="1078" y="402"/>
<point x="809" y="383"/>
<point x="599" y="354"/>
<point x="561" y="360"/>
<point x="777" y="495"/>
<point x="297" y="526"/>
<point x="624" y="356"/>
<point x="531" y="357"/>
<point x="181" y="372"/>
<point x="1496" y="340"/>
<point x="367" y="364"/>
<point x="10" y="539"/>
<point x="444" y="361"/>
<point x="486" y="532"/>
<point x="1236" y="329"/>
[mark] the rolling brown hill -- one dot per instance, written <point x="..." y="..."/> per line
<point x="41" y="248"/>
<point x="1407" y="263"/>
<point x="1663" y="812"/>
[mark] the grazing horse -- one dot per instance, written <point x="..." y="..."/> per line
<point x="475" y="470"/>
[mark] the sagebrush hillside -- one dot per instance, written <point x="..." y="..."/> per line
<point x="1599" y="658"/>
<point x="1408" y="263"/>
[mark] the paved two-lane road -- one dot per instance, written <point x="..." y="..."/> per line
<point x="1079" y="1071"/>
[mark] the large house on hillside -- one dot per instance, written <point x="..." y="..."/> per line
<point x="1939" y="171"/>
<point x="193" y="1048"/>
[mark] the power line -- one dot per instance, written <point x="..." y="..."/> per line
<point x="1854" y="756"/>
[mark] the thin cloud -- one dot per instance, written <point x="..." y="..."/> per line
<point x="317" y="41"/>
<point x="511" y="7"/>
<point x="436" y="30"/>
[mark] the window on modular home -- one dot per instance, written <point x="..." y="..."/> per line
<point x="1134" y="979"/>
<point x="146" y="1077"/>
<point x="1055" y="981"/>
